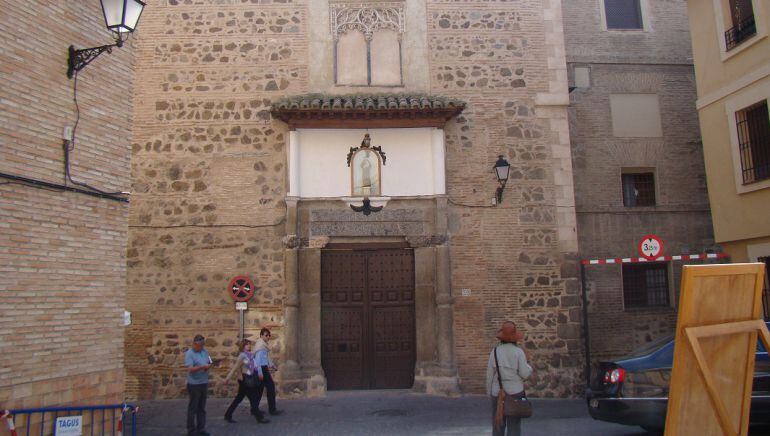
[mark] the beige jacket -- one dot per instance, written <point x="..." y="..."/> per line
<point x="514" y="369"/>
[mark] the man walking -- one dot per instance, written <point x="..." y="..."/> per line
<point x="198" y="362"/>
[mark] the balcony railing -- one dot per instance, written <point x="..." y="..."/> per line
<point x="743" y="31"/>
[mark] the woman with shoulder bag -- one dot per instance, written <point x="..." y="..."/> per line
<point x="248" y="383"/>
<point x="506" y="371"/>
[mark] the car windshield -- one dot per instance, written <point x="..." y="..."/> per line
<point x="651" y="346"/>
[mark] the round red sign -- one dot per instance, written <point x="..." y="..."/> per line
<point x="651" y="247"/>
<point x="241" y="288"/>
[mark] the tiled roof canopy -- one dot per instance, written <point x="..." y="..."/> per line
<point x="359" y="111"/>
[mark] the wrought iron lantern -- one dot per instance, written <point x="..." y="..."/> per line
<point x="502" y="168"/>
<point x="120" y="17"/>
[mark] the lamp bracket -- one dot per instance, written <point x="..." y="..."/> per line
<point x="78" y="59"/>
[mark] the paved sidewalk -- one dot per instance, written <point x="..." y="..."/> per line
<point x="378" y="413"/>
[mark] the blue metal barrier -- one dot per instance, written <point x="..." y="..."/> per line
<point x="115" y="420"/>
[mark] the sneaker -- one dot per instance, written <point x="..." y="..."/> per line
<point x="276" y="412"/>
<point x="230" y="419"/>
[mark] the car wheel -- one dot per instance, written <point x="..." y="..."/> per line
<point x="653" y="430"/>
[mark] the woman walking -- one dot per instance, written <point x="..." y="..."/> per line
<point x="264" y="367"/>
<point x="509" y="360"/>
<point x="245" y="367"/>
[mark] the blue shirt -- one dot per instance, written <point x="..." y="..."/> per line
<point x="262" y="358"/>
<point x="193" y="358"/>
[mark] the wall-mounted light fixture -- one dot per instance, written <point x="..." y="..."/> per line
<point x="502" y="168"/>
<point x="121" y="17"/>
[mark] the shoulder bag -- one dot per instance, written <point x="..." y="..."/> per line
<point x="513" y="405"/>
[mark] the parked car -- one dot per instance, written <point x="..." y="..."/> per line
<point x="633" y="390"/>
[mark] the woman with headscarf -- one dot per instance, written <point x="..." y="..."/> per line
<point x="510" y="361"/>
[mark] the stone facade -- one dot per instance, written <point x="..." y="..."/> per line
<point x="656" y="60"/>
<point x="210" y="183"/>
<point x="209" y="180"/>
<point x="62" y="253"/>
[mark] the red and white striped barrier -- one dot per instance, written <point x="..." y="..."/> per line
<point x="6" y="415"/>
<point x="614" y="260"/>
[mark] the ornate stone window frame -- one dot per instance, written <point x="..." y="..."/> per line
<point x="367" y="19"/>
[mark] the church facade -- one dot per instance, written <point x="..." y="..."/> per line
<point x="338" y="157"/>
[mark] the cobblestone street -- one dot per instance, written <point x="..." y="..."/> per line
<point x="378" y="413"/>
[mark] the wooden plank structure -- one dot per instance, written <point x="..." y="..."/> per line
<point x="720" y="316"/>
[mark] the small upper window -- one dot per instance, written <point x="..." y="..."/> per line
<point x="743" y="24"/>
<point x="623" y="14"/>
<point x="638" y="189"/>
<point x="754" y="142"/>
<point x="367" y="43"/>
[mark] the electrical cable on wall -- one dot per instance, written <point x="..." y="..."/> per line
<point x="69" y="145"/>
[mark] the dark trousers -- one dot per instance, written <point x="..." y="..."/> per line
<point x="511" y="424"/>
<point x="267" y="383"/>
<point x="196" y="408"/>
<point x="251" y="394"/>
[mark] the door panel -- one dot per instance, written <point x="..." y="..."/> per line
<point x="342" y="352"/>
<point x="393" y="357"/>
<point x="367" y="313"/>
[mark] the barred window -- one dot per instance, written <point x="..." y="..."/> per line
<point x="743" y="24"/>
<point x="623" y="14"/>
<point x="645" y="284"/>
<point x="754" y="142"/>
<point x="638" y="189"/>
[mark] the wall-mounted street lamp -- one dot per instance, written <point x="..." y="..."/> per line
<point x="502" y="168"/>
<point x="121" y="17"/>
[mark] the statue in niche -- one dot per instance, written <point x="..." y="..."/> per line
<point x="365" y="169"/>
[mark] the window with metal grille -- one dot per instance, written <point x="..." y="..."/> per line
<point x="623" y="14"/>
<point x="754" y="142"/>
<point x="744" y="26"/>
<point x="645" y="284"/>
<point x="638" y="189"/>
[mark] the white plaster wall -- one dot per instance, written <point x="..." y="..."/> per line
<point x="409" y="169"/>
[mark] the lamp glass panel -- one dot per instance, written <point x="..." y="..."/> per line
<point x="133" y="11"/>
<point x="502" y="172"/>
<point x="113" y="12"/>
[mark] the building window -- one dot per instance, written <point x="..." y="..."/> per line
<point x="635" y="116"/>
<point x="623" y="14"/>
<point x="367" y="43"/>
<point x="638" y="189"/>
<point x="743" y="24"/>
<point x="645" y="285"/>
<point x="754" y="142"/>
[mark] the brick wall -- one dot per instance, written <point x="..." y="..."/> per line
<point x="62" y="254"/>
<point x="496" y="56"/>
<point x="654" y="61"/>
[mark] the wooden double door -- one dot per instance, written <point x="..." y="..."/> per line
<point x="367" y="318"/>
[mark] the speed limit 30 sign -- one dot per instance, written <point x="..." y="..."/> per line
<point x="651" y="247"/>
